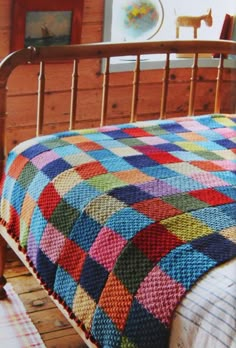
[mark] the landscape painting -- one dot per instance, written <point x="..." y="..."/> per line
<point x="48" y="28"/>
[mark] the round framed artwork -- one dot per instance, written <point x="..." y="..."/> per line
<point x="138" y="20"/>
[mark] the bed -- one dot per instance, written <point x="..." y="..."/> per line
<point x="129" y="227"/>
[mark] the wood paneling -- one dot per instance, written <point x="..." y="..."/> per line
<point x="23" y="86"/>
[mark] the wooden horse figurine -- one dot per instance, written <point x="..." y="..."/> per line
<point x="193" y="21"/>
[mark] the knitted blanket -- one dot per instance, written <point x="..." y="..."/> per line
<point x="119" y="222"/>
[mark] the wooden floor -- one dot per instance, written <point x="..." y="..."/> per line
<point x="54" y="329"/>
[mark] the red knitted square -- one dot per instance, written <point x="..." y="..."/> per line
<point x="48" y="200"/>
<point x="116" y="301"/>
<point x="136" y="132"/>
<point x="156" y="209"/>
<point x="163" y="157"/>
<point x="211" y="196"/>
<point x="72" y="259"/>
<point x="208" y="166"/>
<point x="17" y="166"/>
<point x="89" y="146"/>
<point x="89" y="170"/>
<point x="155" y="241"/>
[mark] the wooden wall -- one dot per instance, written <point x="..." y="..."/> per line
<point x="23" y="86"/>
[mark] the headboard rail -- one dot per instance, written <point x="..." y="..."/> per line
<point x="75" y="53"/>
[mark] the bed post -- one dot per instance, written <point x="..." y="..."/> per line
<point x="3" y="248"/>
<point x="3" y="115"/>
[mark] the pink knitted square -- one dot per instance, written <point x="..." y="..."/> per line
<point x="107" y="247"/>
<point x="52" y="242"/>
<point x="160" y="294"/>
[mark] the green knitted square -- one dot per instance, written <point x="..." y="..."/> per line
<point x="105" y="182"/>
<point x="185" y="202"/>
<point x="131" y="267"/>
<point x="27" y="175"/>
<point x="63" y="217"/>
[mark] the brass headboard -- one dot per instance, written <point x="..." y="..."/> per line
<point x="75" y="53"/>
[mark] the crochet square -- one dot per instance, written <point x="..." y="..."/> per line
<point x="52" y="242"/>
<point x="186" y="227"/>
<point x="127" y="222"/>
<point x="88" y="170"/>
<point x="185" y="264"/>
<point x="47" y="269"/>
<point x="155" y="331"/>
<point x="34" y="150"/>
<point x="66" y="181"/>
<point x="44" y="158"/>
<point x="84" y="231"/>
<point x="63" y="217"/>
<point x="159" y="188"/>
<point x="27" y="175"/>
<point x="185" y="202"/>
<point x="140" y="161"/>
<point x="131" y="267"/>
<point x="156" y="209"/>
<point x="116" y="301"/>
<point x="17" y="165"/>
<point x="105" y="182"/>
<point x="56" y="167"/>
<point x="72" y="258"/>
<point x="104" y="330"/>
<point x="49" y="200"/>
<point x="129" y="194"/>
<point x="66" y="293"/>
<point x="84" y="307"/>
<point x="93" y="278"/>
<point x="34" y="189"/>
<point x="158" y="285"/>
<point x="132" y="176"/>
<point x="80" y="195"/>
<point x="211" y="196"/>
<point x="107" y="247"/>
<point x="155" y="241"/>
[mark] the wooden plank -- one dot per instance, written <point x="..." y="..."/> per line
<point x="36" y="301"/>
<point x="93" y="12"/>
<point x="52" y="321"/>
<point x="58" y="334"/>
<point x="14" y="266"/>
<point x="92" y="32"/>
<point x="5" y="14"/>
<point x="66" y="338"/>
<point x="4" y="40"/>
<point x="26" y="283"/>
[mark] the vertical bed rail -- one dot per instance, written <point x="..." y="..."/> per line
<point x="193" y="82"/>
<point x="218" y="84"/>
<point x="3" y="116"/>
<point x="40" y="101"/>
<point x="105" y="89"/>
<point x="134" y="101"/>
<point x="165" y="85"/>
<point x="74" y="89"/>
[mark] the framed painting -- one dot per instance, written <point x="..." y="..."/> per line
<point x="46" y="23"/>
<point x="137" y="20"/>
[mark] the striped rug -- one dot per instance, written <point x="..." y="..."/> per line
<point x="16" y="327"/>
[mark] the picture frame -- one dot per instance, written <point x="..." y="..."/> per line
<point x="137" y="20"/>
<point x="46" y="23"/>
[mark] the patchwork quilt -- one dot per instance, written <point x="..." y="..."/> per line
<point x="119" y="222"/>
